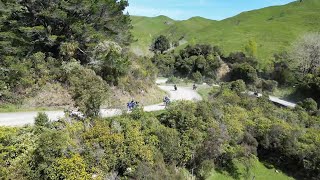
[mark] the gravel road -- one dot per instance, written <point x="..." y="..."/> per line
<point x="24" y="118"/>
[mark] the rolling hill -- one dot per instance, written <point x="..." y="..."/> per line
<point x="273" y="28"/>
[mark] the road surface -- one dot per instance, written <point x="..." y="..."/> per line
<point x="275" y="100"/>
<point x="183" y="93"/>
<point x="282" y="102"/>
<point x="24" y="118"/>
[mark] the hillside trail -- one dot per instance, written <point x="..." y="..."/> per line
<point x="24" y="118"/>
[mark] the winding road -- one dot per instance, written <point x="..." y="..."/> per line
<point x="24" y="118"/>
<point x="183" y="93"/>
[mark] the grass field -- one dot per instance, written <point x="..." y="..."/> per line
<point x="258" y="172"/>
<point x="273" y="28"/>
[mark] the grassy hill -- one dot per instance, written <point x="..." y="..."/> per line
<point x="273" y="28"/>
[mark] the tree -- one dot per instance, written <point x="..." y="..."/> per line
<point x="245" y="72"/>
<point x="109" y="62"/>
<point x="160" y="44"/>
<point x="62" y="29"/>
<point x="165" y="63"/>
<point x="37" y="36"/>
<point x="306" y="53"/>
<point x="88" y="90"/>
<point x="283" y="72"/>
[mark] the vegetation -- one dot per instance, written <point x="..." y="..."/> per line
<point x="197" y="62"/>
<point x="273" y="29"/>
<point x="225" y="134"/>
<point x="82" y="48"/>
<point x="161" y="44"/>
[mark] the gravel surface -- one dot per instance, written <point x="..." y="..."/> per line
<point x="24" y="118"/>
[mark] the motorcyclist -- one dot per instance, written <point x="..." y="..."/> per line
<point x="130" y="105"/>
<point x="194" y="87"/>
<point x="166" y="100"/>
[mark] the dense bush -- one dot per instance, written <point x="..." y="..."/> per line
<point x="203" y="59"/>
<point x="245" y="72"/>
<point x="87" y="89"/>
<point x="160" y="44"/>
<point x="165" y="63"/>
<point x="309" y="105"/>
<point x="269" y="85"/>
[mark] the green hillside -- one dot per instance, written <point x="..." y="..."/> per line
<point x="145" y="29"/>
<point x="273" y="28"/>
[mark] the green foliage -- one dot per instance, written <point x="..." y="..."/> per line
<point x="88" y="90"/>
<point x="283" y="69"/>
<point x="165" y="63"/>
<point x="270" y="27"/>
<point x="205" y="169"/>
<point x="173" y="80"/>
<point x="309" y="85"/>
<point x="51" y="145"/>
<point x="245" y="72"/>
<point x="197" y="77"/>
<point x="269" y="85"/>
<point x="37" y="38"/>
<point x="42" y="119"/>
<point x="123" y="146"/>
<point x="109" y="63"/>
<point x="225" y="134"/>
<point x="160" y="44"/>
<point x="16" y="146"/>
<point x="169" y="144"/>
<point x="200" y="59"/>
<point x="72" y="168"/>
<point x="251" y="48"/>
<point x="309" y="105"/>
<point x="238" y="86"/>
<point x="61" y="29"/>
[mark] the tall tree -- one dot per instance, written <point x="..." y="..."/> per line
<point x="61" y="29"/>
<point x="306" y="53"/>
<point x="160" y="44"/>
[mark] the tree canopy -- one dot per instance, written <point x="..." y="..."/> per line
<point x="160" y="44"/>
<point x="61" y="29"/>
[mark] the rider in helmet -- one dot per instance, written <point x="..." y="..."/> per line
<point x="194" y="87"/>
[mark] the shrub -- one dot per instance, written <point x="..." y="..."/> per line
<point x="269" y="85"/>
<point x="309" y="105"/>
<point x="42" y="119"/>
<point x="173" y="80"/>
<point x="245" y="72"/>
<point x="238" y="86"/>
<point x="197" y="77"/>
<point x="205" y="169"/>
<point x="87" y="89"/>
